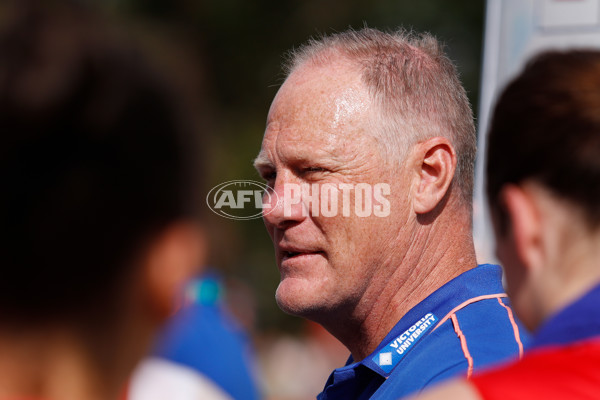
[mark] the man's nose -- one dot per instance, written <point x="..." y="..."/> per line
<point x="282" y="205"/>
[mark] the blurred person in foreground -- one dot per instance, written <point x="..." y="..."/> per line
<point x="543" y="186"/>
<point x="400" y="289"/>
<point x="97" y="213"/>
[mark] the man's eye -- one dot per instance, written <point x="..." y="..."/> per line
<point x="269" y="176"/>
<point x="313" y="169"/>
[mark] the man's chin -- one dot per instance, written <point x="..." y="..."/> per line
<point x="295" y="299"/>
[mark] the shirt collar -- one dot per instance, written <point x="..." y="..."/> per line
<point x="420" y="320"/>
<point x="578" y="321"/>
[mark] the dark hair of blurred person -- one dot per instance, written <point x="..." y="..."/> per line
<point x="97" y="220"/>
<point x="543" y="186"/>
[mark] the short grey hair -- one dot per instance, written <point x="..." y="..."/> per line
<point x="415" y="85"/>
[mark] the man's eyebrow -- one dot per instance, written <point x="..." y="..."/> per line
<point x="262" y="161"/>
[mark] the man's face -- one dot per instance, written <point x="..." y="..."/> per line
<point x="318" y="132"/>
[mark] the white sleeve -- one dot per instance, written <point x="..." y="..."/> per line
<point x="159" y="379"/>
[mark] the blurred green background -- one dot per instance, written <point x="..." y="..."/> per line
<point x="228" y="54"/>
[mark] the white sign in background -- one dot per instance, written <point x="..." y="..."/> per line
<point x="515" y="31"/>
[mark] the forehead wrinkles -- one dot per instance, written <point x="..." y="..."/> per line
<point x="292" y="144"/>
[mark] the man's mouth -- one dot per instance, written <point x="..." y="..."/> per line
<point x="293" y="254"/>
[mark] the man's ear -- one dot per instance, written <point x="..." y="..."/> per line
<point x="174" y="257"/>
<point x="436" y="164"/>
<point x="524" y="222"/>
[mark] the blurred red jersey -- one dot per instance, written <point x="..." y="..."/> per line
<point x="567" y="372"/>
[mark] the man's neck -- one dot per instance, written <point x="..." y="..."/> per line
<point x="437" y="256"/>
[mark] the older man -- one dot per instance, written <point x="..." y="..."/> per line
<point x="379" y="126"/>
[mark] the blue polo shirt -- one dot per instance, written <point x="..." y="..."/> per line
<point x="463" y="326"/>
